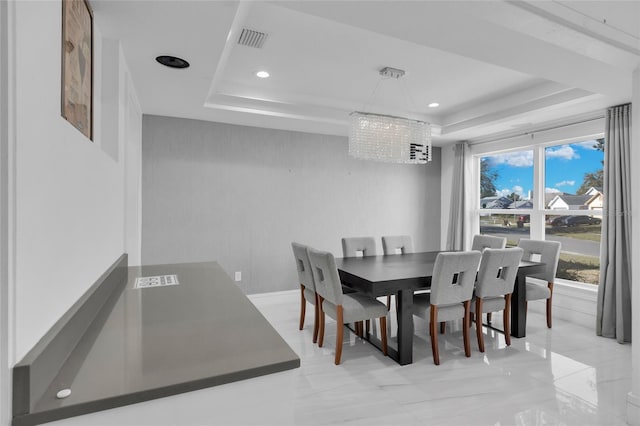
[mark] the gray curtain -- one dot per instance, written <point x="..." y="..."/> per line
<point x="614" y="291"/>
<point x="456" y="230"/>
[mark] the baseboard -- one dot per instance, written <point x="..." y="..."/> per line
<point x="633" y="409"/>
<point x="272" y="294"/>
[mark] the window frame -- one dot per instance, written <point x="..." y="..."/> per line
<point x="538" y="212"/>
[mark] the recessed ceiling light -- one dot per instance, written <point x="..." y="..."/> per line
<point x="262" y="74"/>
<point x="172" y="61"/>
<point x="434" y="105"/>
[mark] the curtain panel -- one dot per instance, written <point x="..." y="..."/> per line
<point x="614" y="292"/>
<point x="459" y="198"/>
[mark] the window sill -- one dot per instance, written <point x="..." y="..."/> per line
<point x="572" y="301"/>
<point x="576" y="289"/>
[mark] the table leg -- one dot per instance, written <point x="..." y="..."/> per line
<point x="404" y="300"/>
<point x="518" y="312"/>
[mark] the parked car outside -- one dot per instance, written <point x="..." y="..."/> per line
<point x="558" y="221"/>
<point x="582" y="220"/>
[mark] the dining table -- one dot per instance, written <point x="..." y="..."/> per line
<point x="403" y="274"/>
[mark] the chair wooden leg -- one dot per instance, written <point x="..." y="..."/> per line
<point x="389" y="303"/>
<point x="488" y="317"/>
<point x="383" y="334"/>
<point x="433" y="321"/>
<point x="465" y="329"/>
<point x="550" y="285"/>
<point x="339" y="333"/>
<point x="479" y="324"/>
<point x="443" y="327"/>
<point x="506" y="318"/>
<point x="321" y="328"/>
<point x="316" y="320"/>
<point x="303" y="307"/>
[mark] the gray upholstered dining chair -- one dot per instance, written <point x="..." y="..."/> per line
<point x="454" y="274"/>
<point x="307" y="286"/>
<point x="344" y="308"/>
<point x="481" y="242"/>
<point x="494" y="285"/>
<point x="396" y="244"/>
<point x="540" y="286"/>
<point x="353" y="245"/>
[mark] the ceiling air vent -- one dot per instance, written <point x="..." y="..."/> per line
<point x="252" y="38"/>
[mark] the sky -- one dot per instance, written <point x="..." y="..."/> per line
<point x="566" y="166"/>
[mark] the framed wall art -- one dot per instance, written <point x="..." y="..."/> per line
<point x="77" y="65"/>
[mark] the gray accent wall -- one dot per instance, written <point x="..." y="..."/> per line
<point x="240" y="195"/>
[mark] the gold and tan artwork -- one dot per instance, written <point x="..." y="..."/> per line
<point x="77" y="67"/>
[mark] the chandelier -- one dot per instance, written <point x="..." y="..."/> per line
<point x="388" y="138"/>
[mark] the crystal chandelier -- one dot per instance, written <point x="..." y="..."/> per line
<point x="387" y="138"/>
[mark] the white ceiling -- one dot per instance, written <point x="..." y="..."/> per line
<point x="495" y="67"/>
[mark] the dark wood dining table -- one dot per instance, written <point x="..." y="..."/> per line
<point x="401" y="275"/>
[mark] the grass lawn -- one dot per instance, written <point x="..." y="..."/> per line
<point x="582" y="232"/>
<point x="575" y="267"/>
<point x="580" y="268"/>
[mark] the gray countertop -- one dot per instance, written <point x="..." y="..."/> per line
<point x="164" y="340"/>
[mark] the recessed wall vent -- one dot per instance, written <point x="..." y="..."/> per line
<point x="252" y="38"/>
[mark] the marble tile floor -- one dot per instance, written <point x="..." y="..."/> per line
<point x="562" y="376"/>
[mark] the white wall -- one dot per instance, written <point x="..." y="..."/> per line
<point x="5" y="350"/>
<point x="131" y="135"/>
<point x="240" y="195"/>
<point x="633" y="398"/>
<point x="70" y="195"/>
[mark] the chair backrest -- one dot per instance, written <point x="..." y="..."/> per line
<point x="454" y="274"/>
<point x="325" y="275"/>
<point x="547" y="252"/>
<point x="481" y="242"/>
<point x="498" y="270"/>
<point x="391" y="244"/>
<point x="351" y="246"/>
<point x="305" y="276"/>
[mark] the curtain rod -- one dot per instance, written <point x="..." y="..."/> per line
<point x="545" y="129"/>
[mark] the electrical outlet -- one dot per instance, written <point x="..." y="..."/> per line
<point x="238" y="276"/>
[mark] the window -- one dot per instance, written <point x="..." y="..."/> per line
<point x="573" y="207"/>
<point x="506" y="189"/>
<point x="570" y="210"/>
